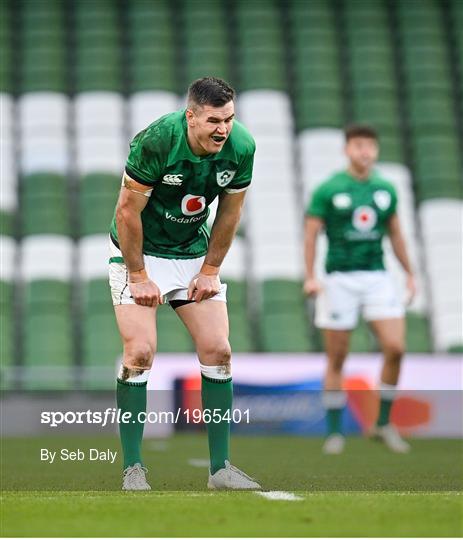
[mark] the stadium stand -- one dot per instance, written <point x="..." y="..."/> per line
<point x="79" y="80"/>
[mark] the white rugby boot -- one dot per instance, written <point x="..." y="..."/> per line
<point x="389" y="435"/>
<point x="231" y="477"/>
<point x="134" y="478"/>
<point x="334" y="444"/>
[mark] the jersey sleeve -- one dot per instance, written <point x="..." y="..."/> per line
<point x="243" y="175"/>
<point x="318" y="205"/>
<point x="394" y="199"/>
<point x="144" y="161"/>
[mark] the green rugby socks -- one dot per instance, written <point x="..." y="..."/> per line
<point x="131" y="397"/>
<point x="334" y="402"/>
<point x="387" y="394"/>
<point x="217" y="396"/>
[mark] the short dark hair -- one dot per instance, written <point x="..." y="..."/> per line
<point x="360" y="130"/>
<point x="210" y="91"/>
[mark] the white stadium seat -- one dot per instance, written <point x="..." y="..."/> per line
<point x="321" y="154"/>
<point x="146" y="107"/>
<point x="272" y="208"/>
<point x="8" y="252"/>
<point x="93" y="256"/>
<point x="441" y="228"/>
<point x="45" y="154"/>
<point x="46" y="256"/>
<point x="265" y="109"/>
<point x="8" y="176"/>
<point x="101" y="154"/>
<point x="43" y="114"/>
<point x="234" y="266"/>
<point x="6" y="115"/>
<point x="99" y="113"/>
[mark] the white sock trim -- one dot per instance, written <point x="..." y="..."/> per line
<point x="136" y="376"/>
<point x="334" y="399"/>
<point x="387" y="391"/>
<point x="220" y="373"/>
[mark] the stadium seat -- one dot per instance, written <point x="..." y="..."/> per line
<point x="43" y="113"/>
<point x="45" y="207"/>
<point x="46" y="311"/>
<point x="146" y="107"/>
<point x="441" y="221"/>
<point x="98" y="197"/>
<point x="100" y="344"/>
<point x="9" y="190"/>
<point x="321" y="155"/>
<point x="8" y="251"/>
<point x="233" y="273"/>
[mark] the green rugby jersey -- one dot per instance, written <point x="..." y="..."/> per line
<point x="184" y="185"/>
<point x="355" y="214"/>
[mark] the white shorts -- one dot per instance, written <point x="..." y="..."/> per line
<point x="172" y="276"/>
<point x="345" y="294"/>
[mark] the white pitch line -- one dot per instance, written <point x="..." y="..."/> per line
<point x="279" y="495"/>
<point x="202" y="463"/>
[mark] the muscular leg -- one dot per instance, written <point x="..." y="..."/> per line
<point x="337" y="348"/>
<point x="391" y="337"/>
<point x="207" y="323"/>
<point x="137" y="326"/>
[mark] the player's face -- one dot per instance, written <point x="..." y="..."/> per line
<point x="362" y="152"/>
<point x="209" y="127"/>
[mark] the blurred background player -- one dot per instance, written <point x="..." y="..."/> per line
<point x="357" y="208"/>
<point x="161" y="251"/>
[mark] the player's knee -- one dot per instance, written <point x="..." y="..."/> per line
<point x="139" y="355"/>
<point x="217" y="354"/>
<point x="394" y="350"/>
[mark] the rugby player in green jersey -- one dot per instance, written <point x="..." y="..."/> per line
<point x="161" y="252"/>
<point x="357" y="208"/>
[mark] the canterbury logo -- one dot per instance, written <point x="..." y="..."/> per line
<point x="172" y="179"/>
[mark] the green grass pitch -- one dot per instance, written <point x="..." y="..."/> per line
<point x="367" y="491"/>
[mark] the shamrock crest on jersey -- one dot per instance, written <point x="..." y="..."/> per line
<point x="225" y="177"/>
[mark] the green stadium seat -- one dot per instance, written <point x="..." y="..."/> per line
<point x="241" y="338"/>
<point x="391" y="149"/>
<point x="48" y="295"/>
<point x="6" y="324"/>
<point x="320" y="112"/>
<point x="283" y="332"/>
<point x="256" y="76"/>
<point x="6" y="222"/>
<point x="283" y="321"/>
<point x="418" y="334"/>
<point x="48" y="344"/>
<point x="45" y="207"/>
<point x="98" y="198"/>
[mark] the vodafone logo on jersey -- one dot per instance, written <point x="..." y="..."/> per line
<point x="364" y="218"/>
<point x="193" y="204"/>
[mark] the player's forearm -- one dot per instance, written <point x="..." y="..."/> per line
<point x="312" y="228"/>
<point x="222" y="234"/>
<point x="130" y="236"/>
<point x="309" y="255"/>
<point x="400" y="251"/>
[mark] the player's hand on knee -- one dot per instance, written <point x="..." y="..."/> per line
<point x="203" y="287"/>
<point x="144" y="291"/>
<point x="312" y="286"/>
